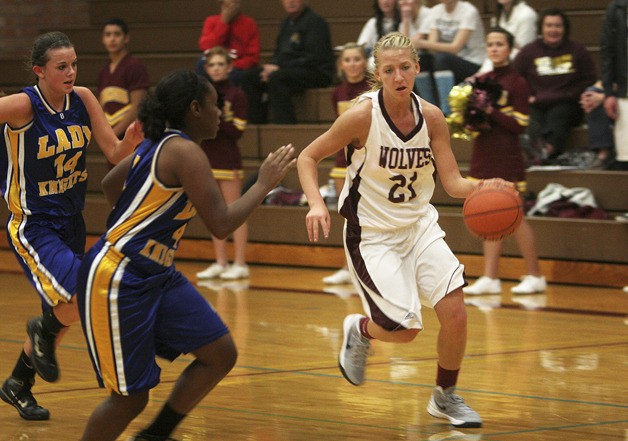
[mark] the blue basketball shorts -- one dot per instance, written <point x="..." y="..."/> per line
<point x="130" y="317"/>
<point x="50" y="250"/>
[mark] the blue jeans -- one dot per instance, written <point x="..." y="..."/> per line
<point x="600" y="130"/>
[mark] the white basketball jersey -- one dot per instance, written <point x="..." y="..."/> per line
<point x="390" y="180"/>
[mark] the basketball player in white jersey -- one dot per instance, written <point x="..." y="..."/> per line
<point x="394" y="246"/>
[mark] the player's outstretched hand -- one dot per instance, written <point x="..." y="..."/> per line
<point x="275" y="166"/>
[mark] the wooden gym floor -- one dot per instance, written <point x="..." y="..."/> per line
<point x="543" y="367"/>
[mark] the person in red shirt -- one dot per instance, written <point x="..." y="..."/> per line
<point x="236" y="32"/>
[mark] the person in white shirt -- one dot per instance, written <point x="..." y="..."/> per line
<point x="518" y="18"/>
<point x="414" y="18"/>
<point x="415" y="24"/>
<point x="385" y="20"/>
<point x="456" y="41"/>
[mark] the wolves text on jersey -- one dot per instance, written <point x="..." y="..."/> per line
<point x="404" y="158"/>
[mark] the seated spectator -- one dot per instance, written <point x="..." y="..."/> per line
<point x="558" y="70"/>
<point x="385" y="20"/>
<point x="123" y="81"/>
<point x="236" y="32"/>
<point x="600" y="126"/>
<point x="224" y="157"/>
<point x="517" y="18"/>
<point x="303" y="59"/>
<point x="456" y="45"/>
<point x="352" y="64"/>
<point x="415" y="25"/>
<point x="414" y="19"/>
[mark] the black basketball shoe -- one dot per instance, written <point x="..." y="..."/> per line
<point x="18" y="394"/>
<point x="43" y="353"/>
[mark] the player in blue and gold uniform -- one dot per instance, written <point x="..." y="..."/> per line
<point x="134" y="304"/>
<point x="46" y="129"/>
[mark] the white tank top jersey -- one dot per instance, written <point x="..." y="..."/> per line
<point x="390" y="180"/>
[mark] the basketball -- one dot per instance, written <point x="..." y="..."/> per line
<point x="493" y="212"/>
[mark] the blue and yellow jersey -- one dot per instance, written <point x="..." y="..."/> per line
<point x="43" y="162"/>
<point x="149" y="218"/>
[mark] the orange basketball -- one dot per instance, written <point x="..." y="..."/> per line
<point x="493" y="212"/>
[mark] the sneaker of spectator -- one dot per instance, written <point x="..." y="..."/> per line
<point x="622" y="218"/>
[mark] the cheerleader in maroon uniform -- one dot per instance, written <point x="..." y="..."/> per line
<point x="224" y="156"/>
<point x="497" y="153"/>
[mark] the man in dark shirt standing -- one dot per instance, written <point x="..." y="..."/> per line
<point x="303" y="59"/>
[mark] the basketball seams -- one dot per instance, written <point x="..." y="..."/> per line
<point x="493" y="213"/>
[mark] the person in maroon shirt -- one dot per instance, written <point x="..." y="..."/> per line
<point x="497" y="153"/>
<point x="558" y="70"/>
<point x="224" y="156"/>
<point x="352" y="64"/>
<point x="123" y="81"/>
<point x="236" y="32"/>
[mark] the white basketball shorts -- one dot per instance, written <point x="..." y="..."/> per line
<point x="395" y="272"/>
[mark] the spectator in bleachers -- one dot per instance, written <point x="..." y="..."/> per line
<point x="497" y="153"/>
<point x="352" y="63"/>
<point x="236" y="32"/>
<point x="600" y="126"/>
<point x="414" y="19"/>
<point x="456" y="42"/>
<point x="385" y="20"/>
<point x="224" y="156"/>
<point x="123" y="82"/>
<point x="517" y="18"/>
<point x="303" y="59"/>
<point x="415" y="25"/>
<point x="614" y="59"/>
<point x="558" y="70"/>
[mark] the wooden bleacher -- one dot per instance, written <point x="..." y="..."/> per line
<point x="164" y="35"/>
